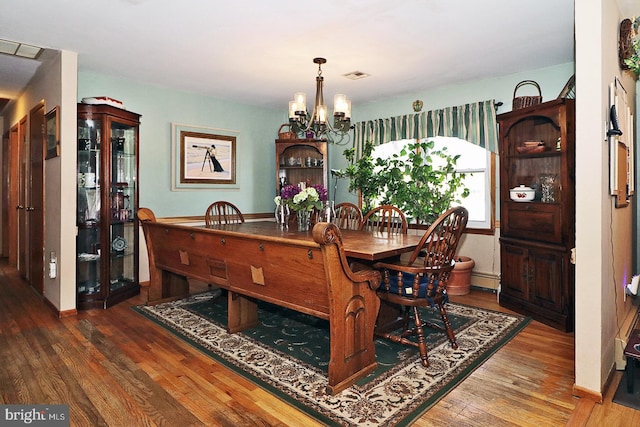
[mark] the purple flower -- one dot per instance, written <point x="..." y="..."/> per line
<point x="322" y="192"/>
<point x="289" y="191"/>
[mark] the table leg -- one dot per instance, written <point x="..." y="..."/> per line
<point x="243" y="312"/>
<point x="389" y="317"/>
<point x="631" y="374"/>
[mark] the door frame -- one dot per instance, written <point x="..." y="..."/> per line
<point x="35" y="196"/>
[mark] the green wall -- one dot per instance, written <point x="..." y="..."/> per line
<point x="257" y="128"/>
<point x="160" y="107"/>
<point x="550" y="79"/>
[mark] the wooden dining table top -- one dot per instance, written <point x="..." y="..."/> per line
<point x="363" y="245"/>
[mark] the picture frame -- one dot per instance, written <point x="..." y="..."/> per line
<point x="207" y="158"/>
<point x="192" y="168"/>
<point x="52" y="136"/>
<point x="621" y="150"/>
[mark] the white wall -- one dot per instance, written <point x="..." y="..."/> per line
<point x="68" y="180"/>
<point x="54" y="83"/>
<point x="603" y="233"/>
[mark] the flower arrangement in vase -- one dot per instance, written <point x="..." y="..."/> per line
<point x="303" y="201"/>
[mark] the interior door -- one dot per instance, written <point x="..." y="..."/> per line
<point x="13" y="160"/>
<point x="23" y="241"/>
<point x="35" y="196"/>
<point x="5" y="196"/>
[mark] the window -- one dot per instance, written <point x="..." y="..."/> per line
<point x="475" y="162"/>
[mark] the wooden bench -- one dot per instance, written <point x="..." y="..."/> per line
<point x="308" y="275"/>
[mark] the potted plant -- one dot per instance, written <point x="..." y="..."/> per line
<point x="459" y="282"/>
<point x="420" y="180"/>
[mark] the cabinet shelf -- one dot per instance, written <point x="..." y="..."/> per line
<point x="301" y="167"/>
<point x="89" y="224"/>
<point x="115" y="254"/>
<point x="291" y="158"/>
<point x="536" y="155"/>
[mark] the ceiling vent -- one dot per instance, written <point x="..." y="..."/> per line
<point x="356" y="75"/>
<point x="19" y="49"/>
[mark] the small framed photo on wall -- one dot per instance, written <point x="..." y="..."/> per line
<point x="52" y="129"/>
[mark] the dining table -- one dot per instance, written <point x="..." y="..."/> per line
<point x="367" y="246"/>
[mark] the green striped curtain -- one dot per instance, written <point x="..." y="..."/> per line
<point x="475" y="123"/>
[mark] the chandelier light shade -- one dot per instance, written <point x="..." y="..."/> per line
<point x="317" y="124"/>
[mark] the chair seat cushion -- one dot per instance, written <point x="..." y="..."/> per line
<point x="407" y="287"/>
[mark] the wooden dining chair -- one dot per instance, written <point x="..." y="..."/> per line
<point x="348" y="216"/>
<point x="387" y="218"/>
<point x="222" y="212"/>
<point x="421" y="281"/>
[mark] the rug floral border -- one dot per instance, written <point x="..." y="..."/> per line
<point x="395" y="398"/>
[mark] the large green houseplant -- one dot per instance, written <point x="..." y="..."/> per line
<point x="420" y="180"/>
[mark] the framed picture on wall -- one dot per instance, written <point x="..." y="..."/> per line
<point x="207" y="158"/>
<point x="52" y="129"/>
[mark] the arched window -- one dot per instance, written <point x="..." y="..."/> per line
<point x="479" y="169"/>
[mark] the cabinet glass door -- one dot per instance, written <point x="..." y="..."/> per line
<point x="122" y="201"/>
<point x="88" y="207"/>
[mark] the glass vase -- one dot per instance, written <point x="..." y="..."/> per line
<point x="282" y="215"/>
<point x="328" y="212"/>
<point x="548" y="187"/>
<point x="304" y="218"/>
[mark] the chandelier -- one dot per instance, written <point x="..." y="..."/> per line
<point x="317" y="124"/>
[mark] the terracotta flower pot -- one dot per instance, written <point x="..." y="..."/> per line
<point x="460" y="278"/>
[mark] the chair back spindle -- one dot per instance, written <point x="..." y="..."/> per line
<point x="385" y="218"/>
<point x="348" y="216"/>
<point x="222" y="212"/>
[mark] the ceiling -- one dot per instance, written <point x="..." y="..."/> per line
<point x="260" y="52"/>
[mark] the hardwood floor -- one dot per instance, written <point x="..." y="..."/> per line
<point x="115" y="368"/>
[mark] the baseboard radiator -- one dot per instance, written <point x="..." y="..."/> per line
<point x="621" y="340"/>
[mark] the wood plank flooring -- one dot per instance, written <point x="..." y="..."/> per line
<point x="116" y="368"/>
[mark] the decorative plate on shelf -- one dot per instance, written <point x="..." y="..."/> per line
<point x="119" y="244"/>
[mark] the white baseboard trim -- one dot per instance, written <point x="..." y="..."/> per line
<point x="621" y="340"/>
<point x="485" y="280"/>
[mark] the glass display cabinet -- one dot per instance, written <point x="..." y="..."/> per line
<point x="300" y="160"/>
<point x="107" y="204"/>
<point x="537" y="211"/>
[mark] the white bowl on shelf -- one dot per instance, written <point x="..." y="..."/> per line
<point x="522" y="193"/>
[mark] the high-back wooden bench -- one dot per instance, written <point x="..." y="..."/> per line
<point x="311" y="276"/>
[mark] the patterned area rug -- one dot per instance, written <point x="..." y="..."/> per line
<point x="288" y="355"/>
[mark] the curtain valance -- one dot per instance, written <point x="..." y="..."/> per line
<point x="475" y="123"/>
